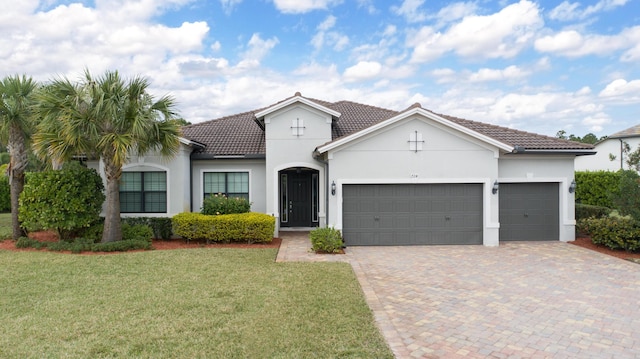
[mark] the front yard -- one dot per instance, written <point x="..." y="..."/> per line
<point x="231" y="303"/>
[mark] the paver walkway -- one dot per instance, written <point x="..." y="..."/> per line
<point x="519" y="300"/>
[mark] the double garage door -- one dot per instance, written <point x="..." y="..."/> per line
<point x="434" y="214"/>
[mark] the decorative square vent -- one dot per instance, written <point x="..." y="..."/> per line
<point x="415" y="141"/>
<point x="297" y="127"/>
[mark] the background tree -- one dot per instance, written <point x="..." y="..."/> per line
<point x="589" y="138"/>
<point x="104" y="117"/>
<point x="16" y="124"/>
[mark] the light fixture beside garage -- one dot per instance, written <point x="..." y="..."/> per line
<point x="572" y="186"/>
<point x="333" y="188"/>
<point x="496" y="187"/>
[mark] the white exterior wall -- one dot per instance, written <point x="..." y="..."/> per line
<point x="286" y="150"/>
<point x="177" y="169"/>
<point x="601" y="161"/>
<point x="530" y="168"/>
<point x="257" y="180"/>
<point x="447" y="156"/>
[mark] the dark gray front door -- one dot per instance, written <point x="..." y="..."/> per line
<point x="529" y="212"/>
<point x="299" y="199"/>
<point x="412" y="214"/>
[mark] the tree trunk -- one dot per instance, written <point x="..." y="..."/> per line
<point x="17" y="165"/>
<point x="112" y="227"/>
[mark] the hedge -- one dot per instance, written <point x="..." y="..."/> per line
<point x="161" y="226"/>
<point x="244" y="227"/>
<point x="596" y="187"/>
<point x="613" y="232"/>
<point x="584" y="211"/>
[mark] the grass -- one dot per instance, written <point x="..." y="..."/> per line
<point x="195" y="303"/>
<point x="5" y="226"/>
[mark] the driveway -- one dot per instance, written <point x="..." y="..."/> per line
<point x="519" y="300"/>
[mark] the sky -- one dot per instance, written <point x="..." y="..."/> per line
<point x="538" y="66"/>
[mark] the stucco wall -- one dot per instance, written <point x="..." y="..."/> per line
<point x="256" y="169"/>
<point x="601" y="161"/>
<point x="556" y="169"/>
<point x="447" y="156"/>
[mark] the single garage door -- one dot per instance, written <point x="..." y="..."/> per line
<point x="529" y="212"/>
<point x="411" y="214"/>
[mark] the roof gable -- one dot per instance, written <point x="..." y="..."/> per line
<point x="297" y="98"/>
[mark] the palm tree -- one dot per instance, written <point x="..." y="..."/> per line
<point x="16" y="123"/>
<point x="104" y="117"/>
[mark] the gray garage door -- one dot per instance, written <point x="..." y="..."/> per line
<point x="529" y="212"/>
<point x="412" y="214"/>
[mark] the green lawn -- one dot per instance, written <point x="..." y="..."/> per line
<point x="194" y="303"/>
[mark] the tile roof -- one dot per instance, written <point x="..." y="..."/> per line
<point x="240" y="134"/>
<point x="629" y="132"/>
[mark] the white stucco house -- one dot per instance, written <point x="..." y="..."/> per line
<point x="382" y="177"/>
<point x="610" y="155"/>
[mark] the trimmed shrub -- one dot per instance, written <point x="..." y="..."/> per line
<point x="596" y="188"/>
<point x="613" y="232"/>
<point x="326" y="240"/>
<point x="587" y="211"/>
<point x="161" y="226"/>
<point x="221" y="204"/>
<point x="66" y="200"/>
<point x="244" y="227"/>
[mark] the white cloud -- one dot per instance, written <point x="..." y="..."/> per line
<point x="568" y="11"/>
<point x="510" y="73"/>
<point x="410" y="10"/>
<point x="621" y="88"/>
<point x="500" y="35"/>
<point x="456" y="11"/>
<point x="228" y="5"/>
<point x="336" y="40"/>
<point x="303" y="6"/>
<point x="364" y="70"/>
<point x="596" y="122"/>
<point x="571" y="43"/>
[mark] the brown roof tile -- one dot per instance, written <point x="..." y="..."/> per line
<point x="240" y="134"/>
<point x="629" y="132"/>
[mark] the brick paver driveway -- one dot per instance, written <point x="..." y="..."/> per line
<point x="519" y="300"/>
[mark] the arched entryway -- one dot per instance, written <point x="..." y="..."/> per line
<point x="299" y="200"/>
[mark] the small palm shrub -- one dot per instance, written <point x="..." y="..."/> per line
<point x="221" y="204"/>
<point x="326" y="240"/>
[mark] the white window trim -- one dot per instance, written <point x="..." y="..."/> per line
<point x="217" y="170"/>
<point x="132" y="168"/>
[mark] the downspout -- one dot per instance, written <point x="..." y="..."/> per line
<point x="621" y="152"/>
<point x="191" y="179"/>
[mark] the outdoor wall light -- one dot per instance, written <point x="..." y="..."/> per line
<point x="572" y="186"/>
<point x="495" y="188"/>
<point x="333" y="188"/>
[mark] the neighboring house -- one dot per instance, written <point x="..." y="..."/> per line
<point x="383" y="177"/>
<point x="610" y="156"/>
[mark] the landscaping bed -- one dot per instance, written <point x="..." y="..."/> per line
<point x="585" y="242"/>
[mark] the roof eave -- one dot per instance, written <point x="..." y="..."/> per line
<point x="334" y="114"/>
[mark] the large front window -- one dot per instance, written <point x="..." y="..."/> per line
<point x="230" y="184"/>
<point x="143" y="192"/>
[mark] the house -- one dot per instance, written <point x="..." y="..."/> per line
<point x="611" y="156"/>
<point x="383" y="177"/>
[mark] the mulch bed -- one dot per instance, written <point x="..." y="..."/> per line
<point x="45" y="236"/>
<point x="158" y="244"/>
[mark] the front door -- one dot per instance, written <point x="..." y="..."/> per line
<point x="297" y="198"/>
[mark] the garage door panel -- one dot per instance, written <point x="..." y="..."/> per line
<point x="529" y="212"/>
<point x="413" y="214"/>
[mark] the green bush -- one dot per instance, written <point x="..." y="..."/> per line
<point x="221" y="204"/>
<point x="586" y="211"/>
<point x="626" y="199"/>
<point x="66" y="200"/>
<point x="134" y="237"/>
<point x="161" y="226"/>
<point x="326" y="240"/>
<point x="596" y="188"/>
<point x="244" y="227"/>
<point x="5" y="193"/>
<point x="613" y="232"/>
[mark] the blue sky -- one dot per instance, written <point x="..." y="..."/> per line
<point x="538" y="66"/>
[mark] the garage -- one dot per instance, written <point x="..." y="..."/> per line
<point x="529" y="212"/>
<point x="412" y="214"/>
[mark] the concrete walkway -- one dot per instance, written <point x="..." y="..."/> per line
<point x="519" y="300"/>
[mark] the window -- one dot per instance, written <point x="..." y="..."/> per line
<point x="143" y="192"/>
<point x="230" y="184"/>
